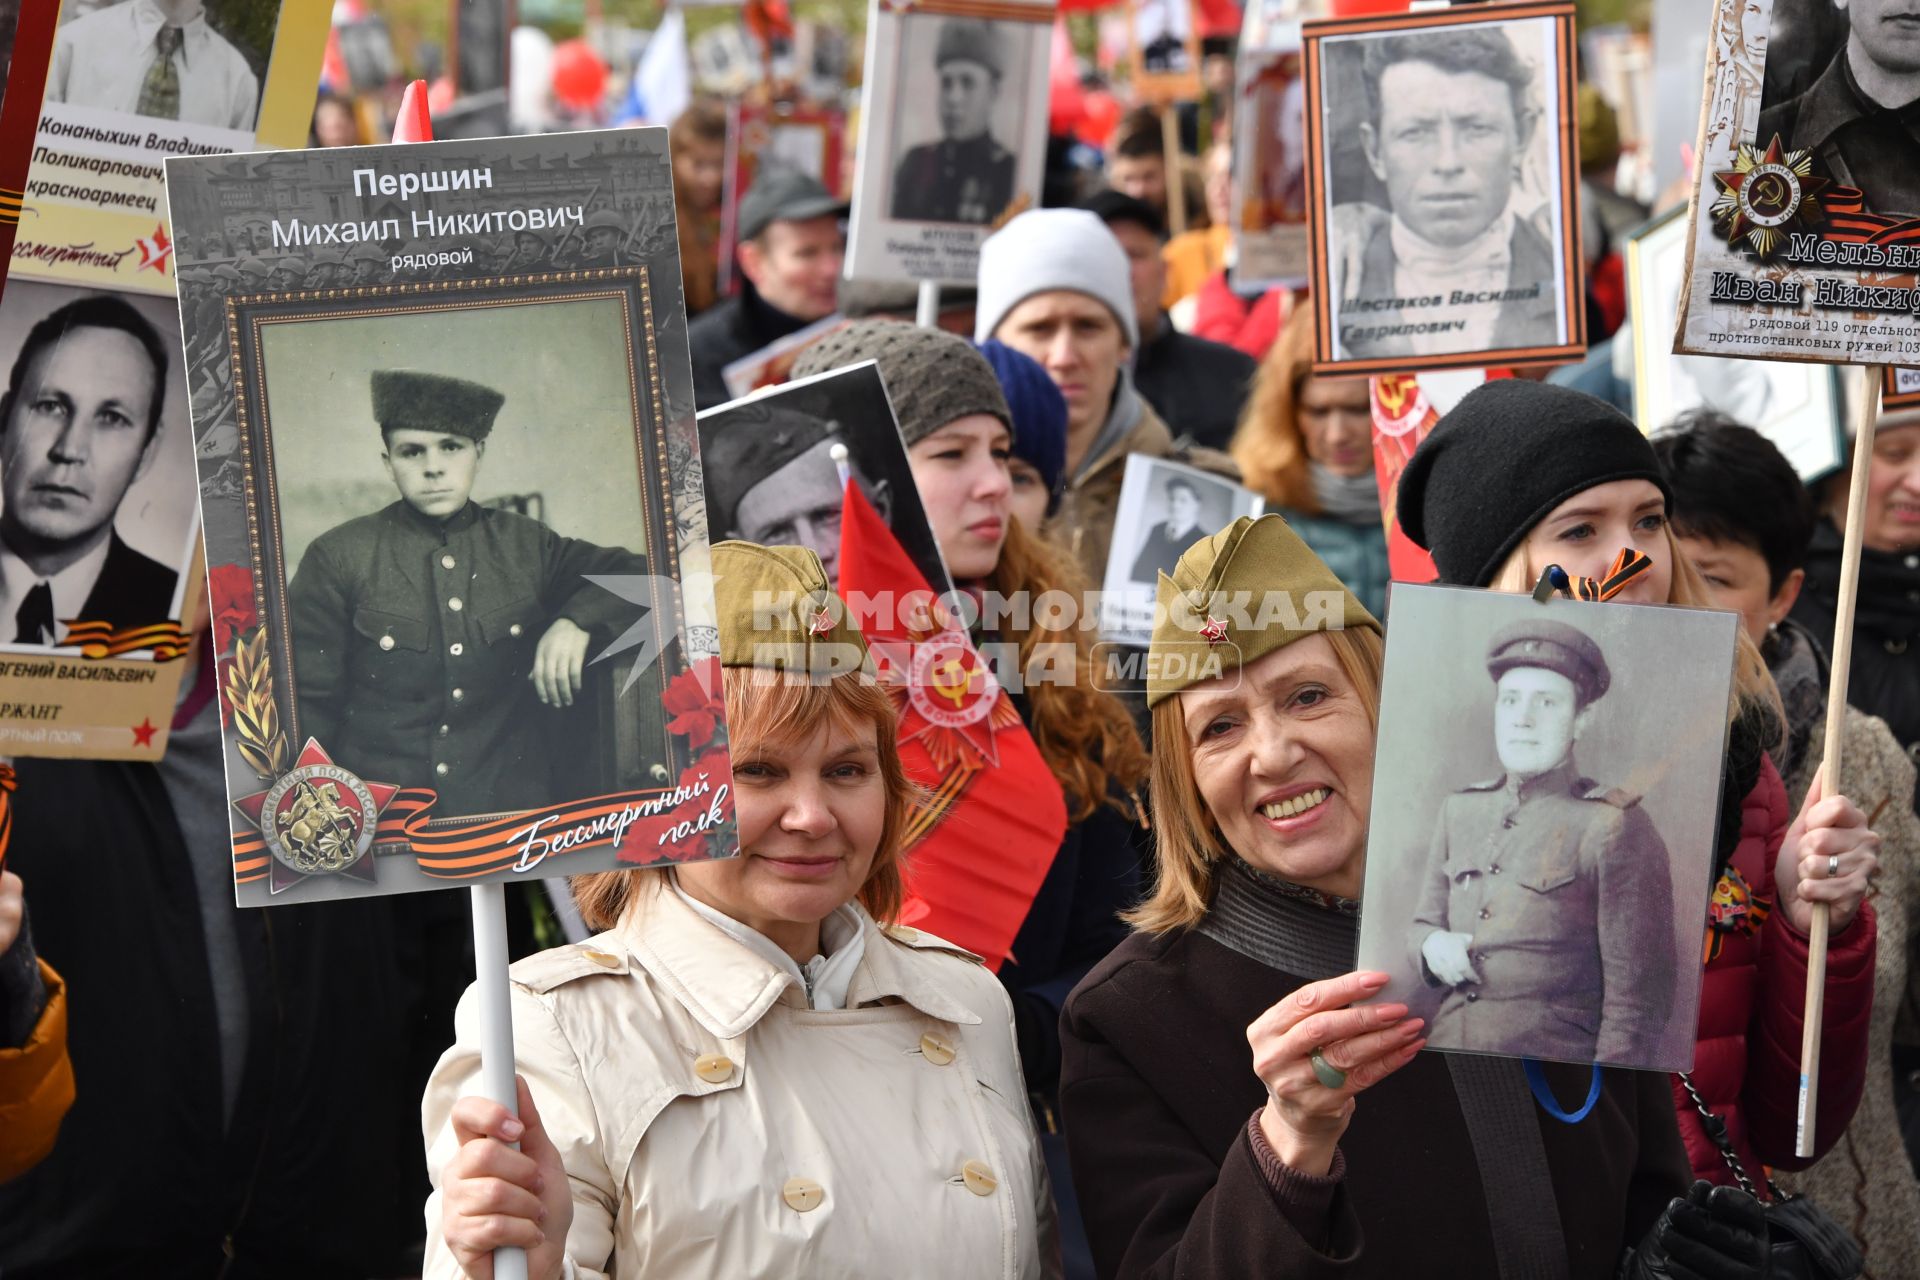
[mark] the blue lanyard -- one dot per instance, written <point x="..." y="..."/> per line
<point x="1543" y="1093"/>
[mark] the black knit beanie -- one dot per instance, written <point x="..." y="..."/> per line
<point x="1508" y="454"/>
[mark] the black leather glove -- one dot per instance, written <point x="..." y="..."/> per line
<point x="1711" y="1233"/>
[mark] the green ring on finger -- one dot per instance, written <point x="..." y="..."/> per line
<point x="1325" y="1072"/>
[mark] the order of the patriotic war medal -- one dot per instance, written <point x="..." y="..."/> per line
<point x="1763" y="193"/>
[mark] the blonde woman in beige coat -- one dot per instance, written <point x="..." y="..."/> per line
<point x="751" y="1071"/>
<point x="1741" y="515"/>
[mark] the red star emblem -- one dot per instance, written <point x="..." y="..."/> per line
<point x="253" y="808"/>
<point x="143" y="732"/>
<point x="820" y="623"/>
<point x="1214" y="631"/>
<point x="154" y="250"/>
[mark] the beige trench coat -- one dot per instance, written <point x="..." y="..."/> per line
<point x="713" y="1125"/>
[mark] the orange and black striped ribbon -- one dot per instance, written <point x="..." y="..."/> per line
<point x="8" y="783"/>
<point x="165" y="640"/>
<point x="1626" y="566"/>
<point x="11" y="201"/>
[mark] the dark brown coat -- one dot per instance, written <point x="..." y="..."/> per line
<point x="1157" y="1086"/>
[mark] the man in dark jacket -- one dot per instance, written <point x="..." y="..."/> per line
<point x="1198" y="386"/>
<point x="792" y="242"/>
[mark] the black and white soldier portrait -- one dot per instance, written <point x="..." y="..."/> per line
<point x="1447" y="225"/>
<point x="162" y="59"/>
<point x="1542" y="861"/>
<point x="964" y="173"/>
<point x="771" y="477"/>
<point x="1164" y="508"/>
<point x="1842" y="80"/>
<point x="96" y="463"/>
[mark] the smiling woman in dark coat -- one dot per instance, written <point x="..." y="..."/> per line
<point x="1226" y="1114"/>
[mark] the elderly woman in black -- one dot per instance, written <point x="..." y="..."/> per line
<point x="1227" y="1112"/>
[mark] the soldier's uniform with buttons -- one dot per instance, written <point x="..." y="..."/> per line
<point x="413" y="637"/>
<point x="1566" y="888"/>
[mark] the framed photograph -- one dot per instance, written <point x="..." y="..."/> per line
<point x="1800" y="244"/>
<point x="807" y="141"/>
<point x="1538" y="869"/>
<point x="458" y="565"/>
<point x="1163" y="50"/>
<point x="953" y="119"/>
<point x="1167" y="507"/>
<point x="1421" y="264"/>
<point x="771" y="477"/>
<point x="1797" y="406"/>
<point x="238" y="74"/>
<point x="1269" y="156"/>
<point x="100" y="582"/>
<point x="1900" y="389"/>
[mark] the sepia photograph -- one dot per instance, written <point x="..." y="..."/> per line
<point x="1168" y="507"/>
<point x="96" y="465"/>
<point x="771" y="477"/>
<point x="1833" y="69"/>
<point x="1538" y="875"/>
<point x="199" y="62"/>
<point x="956" y="147"/>
<point x="1441" y="171"/>
<point x="1270" y="161"/>
<point x="1796" y="406"/>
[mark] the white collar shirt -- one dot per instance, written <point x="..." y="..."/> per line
<point x="101" y="61"/>
<point x="1425" y="269"/>
<point x="71" y="587"/>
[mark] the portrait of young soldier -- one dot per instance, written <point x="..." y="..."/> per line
<point x="1448" y="264"/>
<point x="1168" y="540"/>
<point x="429" y="637"/>
<point x="79" y="424"/>
<point x="1858" y="116"/>
<point x="967" y="176"/>
<point x="1546" y="914"/>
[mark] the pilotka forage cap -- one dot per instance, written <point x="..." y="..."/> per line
<point x="1237" y="596"/>
<point x="410" y="400"/>
<point x="778" y="612"/>
<point x="1555" y="646"/>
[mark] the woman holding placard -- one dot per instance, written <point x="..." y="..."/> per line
<point x="1227" y="1113"/>
<point x="1523" y="475"/>
<point x="752" y="1071"/>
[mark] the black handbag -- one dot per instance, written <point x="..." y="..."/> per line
<point x="1805" y="1240"/>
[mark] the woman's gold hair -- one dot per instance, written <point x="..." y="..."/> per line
<point x="1187" y="843"/>
<point x="771" y="709"/>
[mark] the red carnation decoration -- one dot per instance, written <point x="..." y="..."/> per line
<point x="230" y="587"/>
<point x="643" y="845"/>
<point x="696" y="702"/>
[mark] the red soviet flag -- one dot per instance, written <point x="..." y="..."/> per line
<point x="981" y="841"/>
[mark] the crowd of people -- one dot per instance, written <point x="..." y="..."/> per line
<point x="753" y="1067"/>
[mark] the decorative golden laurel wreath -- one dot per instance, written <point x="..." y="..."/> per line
<point x="256" y="722"/>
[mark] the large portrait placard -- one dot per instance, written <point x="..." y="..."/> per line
<point x="458" y="562"/>
<point x="1269" y="154"/>
<point x="953" y="124"/>
<point x="1805" y="225"/>
<point x="1544" y="820"/>
<point x="1441" y="189"/>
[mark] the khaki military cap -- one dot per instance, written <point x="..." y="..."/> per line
<point x="1237" y="596"/>
<point x="778" y="612"/>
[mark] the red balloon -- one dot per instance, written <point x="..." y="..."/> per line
<point x="579" y="76"/>
<point x="1099" y="114"/>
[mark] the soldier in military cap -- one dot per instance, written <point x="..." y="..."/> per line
<point x="368" y="264"/>
<point x="287" y="274"/>
<point x="423" y="633"/>
<point x="255" y="272"/>
<point x="771" y="479"/>
<point x="603" y="238"/>
<point x="529" y="252"/>
<point x="1548" y="907"/>
<point x="967" y="176"/>
<point x="327" y="269"/>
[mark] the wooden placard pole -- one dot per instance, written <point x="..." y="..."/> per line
<point x="489" y="901"/>
<point x="1176" y="178"/>
<point x="1867" y="421"/>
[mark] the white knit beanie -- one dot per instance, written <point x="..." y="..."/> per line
<point x="1043" y="250"/>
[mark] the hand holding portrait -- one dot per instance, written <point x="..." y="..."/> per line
<point x="13" y="909"/>
<point x="1828" y="828"/>
<point x="1304" y="1119"/>
<point x="494" y="1197"/>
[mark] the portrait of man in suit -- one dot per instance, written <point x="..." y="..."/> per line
<point x="79" y="424"/>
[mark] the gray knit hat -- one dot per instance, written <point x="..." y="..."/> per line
<point x="1052" y="250"/>
<point x="932" y="376"/>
